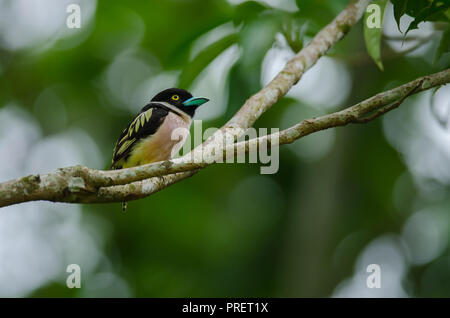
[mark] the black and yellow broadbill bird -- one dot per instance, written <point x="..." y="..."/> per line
<point x="148" y="137"/>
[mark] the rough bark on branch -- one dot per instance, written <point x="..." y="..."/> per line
<point x="256" y="105"/>
<point x="81" y="184"/>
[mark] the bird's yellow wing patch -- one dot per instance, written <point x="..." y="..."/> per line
<point x="139" y="122"/>
<point x="124" y="146"/>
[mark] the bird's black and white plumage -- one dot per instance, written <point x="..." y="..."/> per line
<point x="148" y="137"/>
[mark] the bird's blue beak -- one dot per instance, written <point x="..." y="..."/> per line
<point x="195" y="101"/>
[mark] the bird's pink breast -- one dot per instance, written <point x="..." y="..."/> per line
<point x="161" y="145"/>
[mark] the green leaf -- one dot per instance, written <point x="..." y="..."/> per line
<point x="372" y="34"/>
<point x="399" y="10"/>
<point x="434" y="12"/>
<point x="202" y="60"/>
<point x="421" y="10"/>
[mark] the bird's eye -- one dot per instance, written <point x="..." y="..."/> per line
<point x="175" y="97"/>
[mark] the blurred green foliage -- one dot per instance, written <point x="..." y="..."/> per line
<point x="229" y="231"/>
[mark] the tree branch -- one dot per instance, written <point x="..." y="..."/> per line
<point x="80" y="184"/>
<point x="256" y="105"/>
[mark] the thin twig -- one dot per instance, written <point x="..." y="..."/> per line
<point x="387" y="108"/>
<point x="81" y="184"/>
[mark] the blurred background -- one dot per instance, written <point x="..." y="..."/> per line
<point x="342" y="199"/>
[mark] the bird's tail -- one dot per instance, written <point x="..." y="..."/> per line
<point x="124" y="206"/>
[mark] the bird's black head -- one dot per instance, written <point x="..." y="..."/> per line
<point x="181" y="99"/>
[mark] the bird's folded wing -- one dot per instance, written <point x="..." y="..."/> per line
<point x="146" y="123"/>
